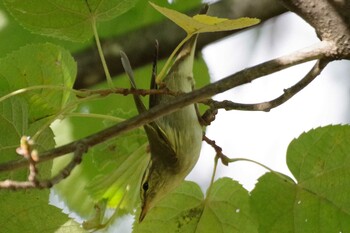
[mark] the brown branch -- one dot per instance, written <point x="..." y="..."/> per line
<point x="330" y="19"/>
<point x="245" y="76"/>
<point x="224" y="159"/>
<point x="81" y="148"/>
<point x="267" y="106"/>
<point x="83" y="93"/>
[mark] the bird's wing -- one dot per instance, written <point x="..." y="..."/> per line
<point x="159" y="143"/>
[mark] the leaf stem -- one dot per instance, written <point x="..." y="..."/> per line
<point x="216" y="159"/>
<point x="260" y="164"/>
<point x="165" y="67"/>
<point x="60" y="113"/>
<point x="39" y="87"/>
<point x="94" y="115"/>
<point x="100" y="52"/>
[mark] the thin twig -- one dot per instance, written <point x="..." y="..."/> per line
<point x="27" y="151"/>
<point x="267" y="106"/>
<point x="218" y="150"/>
<point x="226" y="160"/>
<point x="81" y="148"/>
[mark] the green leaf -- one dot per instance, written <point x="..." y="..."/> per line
<point x="226" y="209"/>
<point x="65" y="19"/>
<point x="320" y="161"/>
<point x="273" y="202"/>
<point x="180" y="211"/>
<point x="319" y="202"/>
<point x="70" y="227"/>
<point x="42" y="64"/>
<point x="204" y="23"/>
<point x="25" y="210"/>
<point x="29" y="211"/>
<point x="13" y="124"/>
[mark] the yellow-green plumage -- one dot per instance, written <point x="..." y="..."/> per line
<point x="175" y="139"/>
<point x="169" y="167"/>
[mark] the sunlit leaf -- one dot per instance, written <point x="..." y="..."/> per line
<point x="205" y="23"/>
<point x="124" y="180"/>
<point x="199" y="24"/>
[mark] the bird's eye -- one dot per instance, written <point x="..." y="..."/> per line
<point x="145" y="186"/>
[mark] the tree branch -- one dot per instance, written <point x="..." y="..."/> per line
<point x="330" y="18"/>
<point x="317" y="51"/>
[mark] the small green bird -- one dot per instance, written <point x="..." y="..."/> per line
<point x="175" y="140"/>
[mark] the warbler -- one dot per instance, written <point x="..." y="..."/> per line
<point x="175" y="140"/>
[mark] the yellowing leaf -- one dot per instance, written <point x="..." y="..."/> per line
<point x="182" y="20"/>
<point x="205" y="19"/>
<point x="204" y="23"/>
<point x="214" y="24"/>
<point x="199" y="24"/>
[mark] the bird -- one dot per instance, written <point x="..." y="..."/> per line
<point x="175" y="139"/>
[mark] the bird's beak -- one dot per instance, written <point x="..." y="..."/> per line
<point x="144" y="211"/>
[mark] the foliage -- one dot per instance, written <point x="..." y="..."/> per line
<point x="37" y="99"/>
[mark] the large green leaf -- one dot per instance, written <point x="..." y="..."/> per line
<point x="319" y="202"/>
<point x="41" y="64"/>
<point x="65" y="19"/>
<point x="225" y="209"/>
<point x="28" y="210"/>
